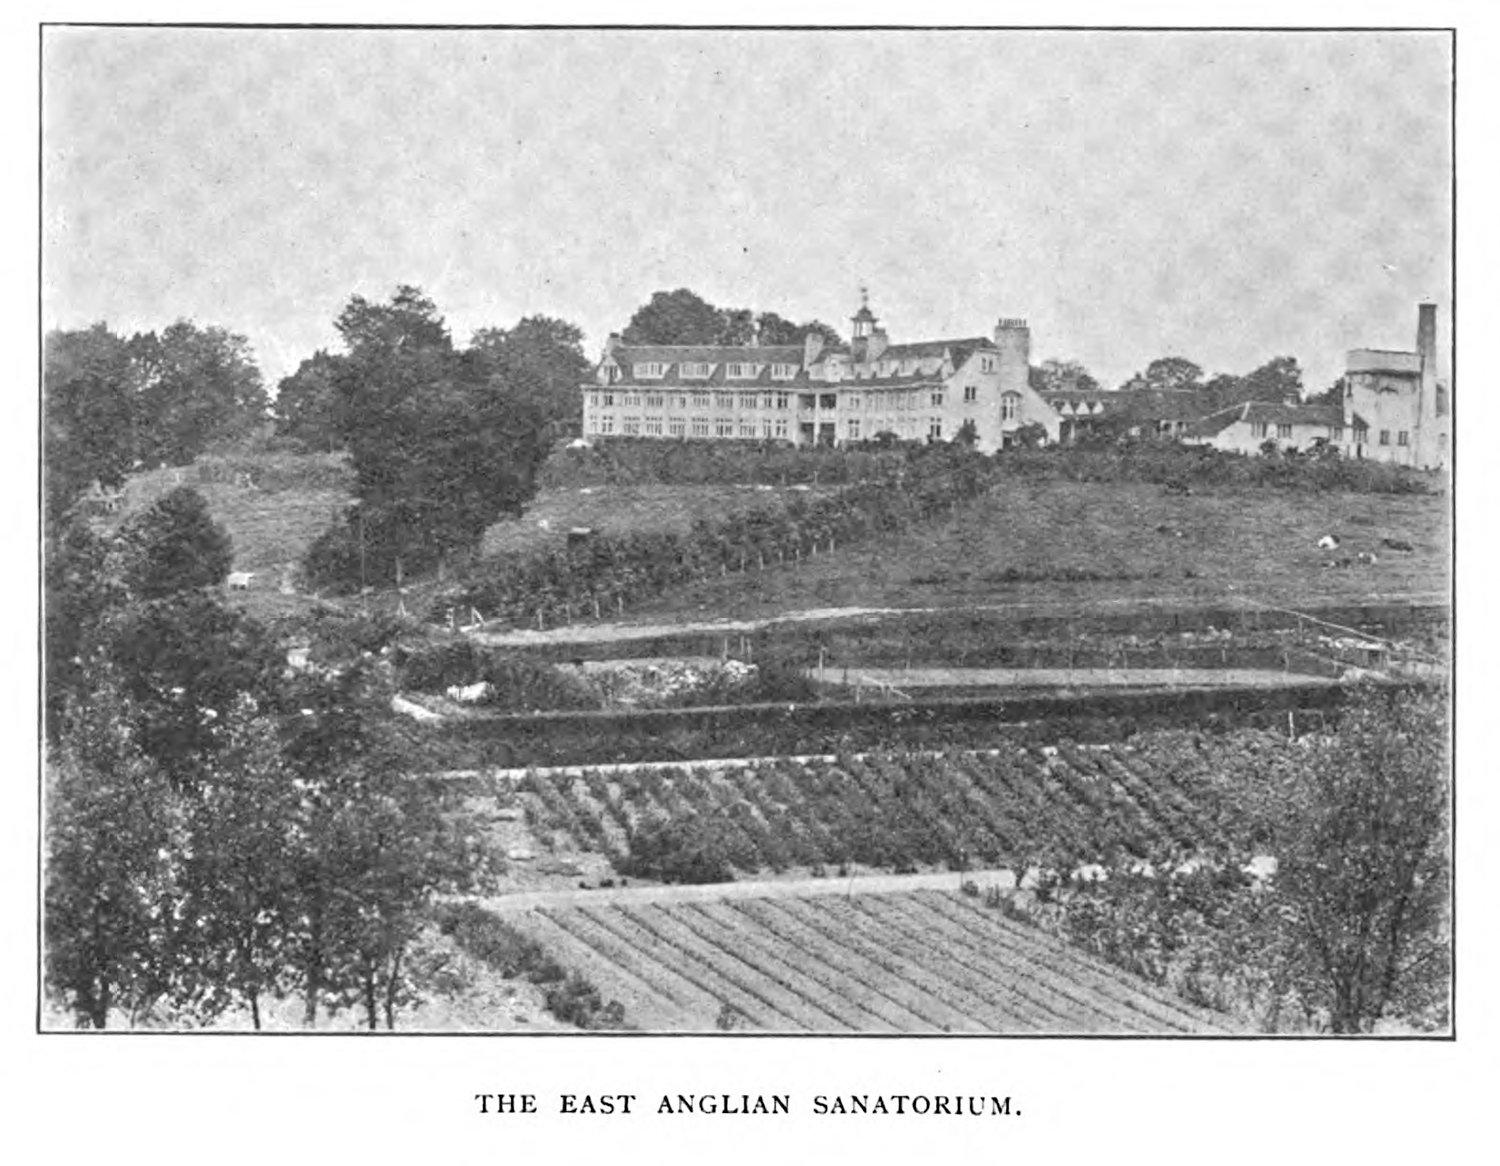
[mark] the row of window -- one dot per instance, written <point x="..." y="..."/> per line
<point x="683" y="427"/>
<point x="1335" y="433"/>
<point x="655" y="370"/>
<point x="902" y="428"/>
<point x="851" y="402"/>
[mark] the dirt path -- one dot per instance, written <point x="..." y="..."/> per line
<point x="860" y="884"/>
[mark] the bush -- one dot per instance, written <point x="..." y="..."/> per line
<point x="175" y="545"/>
<point x="567" y="995"/>
<point x="517" y="684"/>
<point x="688" y="850"/>
<point x="1164" y="462"/>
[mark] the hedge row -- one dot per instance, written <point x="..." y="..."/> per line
<point x="674" y="735"/>
<point x="1231" y="637"/>
<point x="593" y="577"/>
<point x="1171" y="462"/>
<point x="635" y="461"/>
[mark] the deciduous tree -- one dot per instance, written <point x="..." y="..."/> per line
<point x="308" y="408"/>
<point x="89" y="396"/>
<point x="1053" y="376"/>
<point x="175" y="545"/>
<point x="200" y="387"/>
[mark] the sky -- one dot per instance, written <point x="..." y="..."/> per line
<point x="1229" y="197"/>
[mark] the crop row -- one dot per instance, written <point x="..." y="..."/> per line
<point x="1170" y="790"/>
<point x="923" y="961"/>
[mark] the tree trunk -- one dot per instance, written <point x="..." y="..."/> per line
<point x="314" y="971"/>
<point x="255" y="1009"/>
<point x="371" y="1012"/>
<point x="99" y="1005"/>
<point x="393" y="982"/>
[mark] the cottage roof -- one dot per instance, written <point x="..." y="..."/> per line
<point x="1268" y="413"/>
<point x="1271" y="413"/>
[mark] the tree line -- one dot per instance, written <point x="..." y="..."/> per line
<point x="1275" y="380"/>
<point x="222" y="830"/>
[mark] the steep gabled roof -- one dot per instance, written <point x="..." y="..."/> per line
<point x="1215" y="423"/>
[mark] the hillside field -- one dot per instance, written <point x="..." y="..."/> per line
<point x="619" y="510"/>
<point x="1084" y="544"/>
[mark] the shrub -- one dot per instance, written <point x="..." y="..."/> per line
<point x="567" y="995"/>
<point x="697" y="849"/>
<point x="175" y="545"/>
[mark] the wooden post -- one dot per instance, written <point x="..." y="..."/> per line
<point x="596" y="607"/>
<point x="620" y="604"/>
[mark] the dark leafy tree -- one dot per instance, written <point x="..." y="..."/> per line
<point x="376" y="846"/>
<point x="675" y="317"/>
<point x="89" y="414"/>
<point x="308" y="408"/>
<point x="409" y="323"/>
<point x="184" y="663"/>
<point x="80" y="587"/>
<point x="1053" y="376"/>
<point x="1362" y="843"/>
<point x="200" y="387"/>
<point x="1278" y="379"/>
<point x="773" y="329"/>
<point x="1332" y="396"/>
<point x="175" y="545"/>
<point x="114" y="831"/>
<point x="238" y="878"/>
<point x="541" y="361"/>
<point x="441" y="445"/>
<point x="737" y="326"/>
<point x="1167" y="372"/>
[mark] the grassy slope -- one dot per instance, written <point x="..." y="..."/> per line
<point x="620" y="509"/>
<point x="270" y="525"/>
<point x="1258" y="543"/>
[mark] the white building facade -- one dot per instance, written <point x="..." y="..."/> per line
<point x="817" y="394"/>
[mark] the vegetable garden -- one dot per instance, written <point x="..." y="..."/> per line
<point x="1174" y="790"/>
<point x="924" y="961"/>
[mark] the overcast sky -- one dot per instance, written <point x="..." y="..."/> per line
<point x="1227" y="197"/>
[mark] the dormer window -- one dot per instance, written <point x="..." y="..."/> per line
<point x="696" y="370"/>
<point x="650" y="370"/>
<point x="783" y="372"/>
<point x="742" y="372"/>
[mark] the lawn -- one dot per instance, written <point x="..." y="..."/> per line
<point x="1066" y="544"/>
<point x="271" y="523"/>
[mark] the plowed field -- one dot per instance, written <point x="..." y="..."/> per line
<point x="912" y="962"/>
